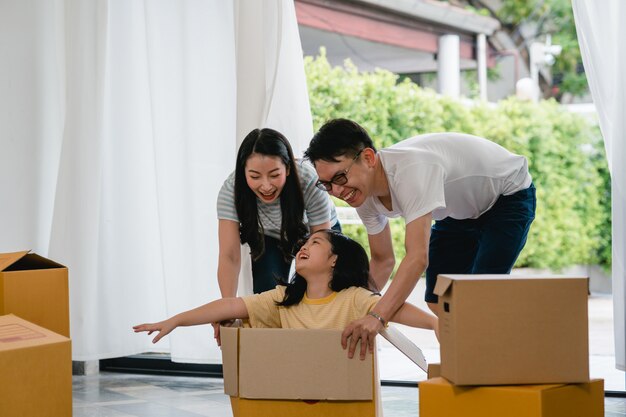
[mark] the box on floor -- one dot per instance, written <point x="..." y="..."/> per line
<point x="440" y="398"/>
<point x="35" y="289"/>
<point x="507" y="330"/>
<point x="296" y="372"/>
<point x="35" y="370"/>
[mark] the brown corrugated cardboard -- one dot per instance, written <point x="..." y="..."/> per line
<point x="36" y="289"/>
<point x="434" y="370"/>
<point x="295" y="372"/>
<point x="439" y="398"/>
<point x="243" y="407"/>
<point x="505" y="330"/>
<point x="35" y="370"/>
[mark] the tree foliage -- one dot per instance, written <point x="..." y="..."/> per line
<point x="564" y="150"/>
<point x="554" y="17"/>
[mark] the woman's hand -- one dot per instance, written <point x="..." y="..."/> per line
<point x="364" y="329"/>
<point x="163" y="327"/>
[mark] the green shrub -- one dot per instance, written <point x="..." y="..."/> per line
<point x="564" y="150"/>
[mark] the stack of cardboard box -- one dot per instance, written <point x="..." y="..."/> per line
<point x="35" y="351"/>
<point x="512" y="346"/>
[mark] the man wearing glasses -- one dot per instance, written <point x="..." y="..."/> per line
<point x="479" y="194"/>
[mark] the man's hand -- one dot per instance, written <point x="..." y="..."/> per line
<point x="364" y="329"/>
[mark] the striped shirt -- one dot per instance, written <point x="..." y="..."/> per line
<point x="318" y="208"/>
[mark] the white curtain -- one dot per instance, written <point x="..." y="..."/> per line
<point x="120" y="122"/>
<point x="601" y="34"/>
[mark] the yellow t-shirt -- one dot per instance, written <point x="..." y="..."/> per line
<point x="332" y="312"/>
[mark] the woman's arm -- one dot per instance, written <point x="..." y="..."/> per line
<point x="215" y="311"/>
<point x="323" y="226"/>
<point x="229" y="260"/>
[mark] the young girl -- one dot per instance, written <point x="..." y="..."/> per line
<point x="328" y="291"/>
<point x="270" y="202"/>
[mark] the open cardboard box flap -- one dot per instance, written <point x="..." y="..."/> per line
<point x="8" y="259"/>
<point x="404" y="345"/>
<point x="36" y="289"/>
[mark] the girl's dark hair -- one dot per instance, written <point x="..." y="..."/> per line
<point x="271" y="143"/>
<point x="352" y="269"/>
<point x="338" y="137"/>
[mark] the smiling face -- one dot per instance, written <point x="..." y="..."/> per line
<point x="266" y="176"/>
<point x="316" y="256"/>
<point x="356" y="189"/>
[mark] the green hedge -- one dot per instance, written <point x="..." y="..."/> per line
<point x="564" y="150"/>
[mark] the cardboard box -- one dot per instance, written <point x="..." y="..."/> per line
<point x="295" y="372"/>
<point x="35" y="289"/>
<point x="506" y="330"/>
<point x="35" y="370"/>
<point x="439" y="398"/>
<point x="434" y="370"/>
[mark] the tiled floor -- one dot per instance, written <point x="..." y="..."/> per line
<point x="127" y="395"/>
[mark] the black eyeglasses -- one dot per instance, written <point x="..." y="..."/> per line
<point x="339" y="179"/>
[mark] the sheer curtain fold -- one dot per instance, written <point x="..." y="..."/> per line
<point x="270" y="70"/>
<point x="601" y="33"/>
<point x="138" y="127"/>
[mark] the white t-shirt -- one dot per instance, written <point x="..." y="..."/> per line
<point x="449" y="174"/>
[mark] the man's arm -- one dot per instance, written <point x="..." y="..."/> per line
<point x="411" y="268"/>
<point x="382" y="257"/>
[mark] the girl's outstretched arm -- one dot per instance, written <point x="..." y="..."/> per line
<point x="215" y="311"/>
<point x="413" y="316"/>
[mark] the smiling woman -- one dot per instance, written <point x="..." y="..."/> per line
<point x="266" y="176"/>
<point x="269" y="202"/>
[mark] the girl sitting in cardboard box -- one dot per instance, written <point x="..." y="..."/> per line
<point x="328" y="291"/>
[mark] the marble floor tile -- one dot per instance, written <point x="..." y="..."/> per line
<point x="130" y="395"/>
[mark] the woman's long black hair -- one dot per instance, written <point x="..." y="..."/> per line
<point x="352" y="269"/>
<point x="271" y="143"/>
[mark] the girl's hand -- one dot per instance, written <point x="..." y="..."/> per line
<point x="216" y="329"/>
<point x="163" y="327"/>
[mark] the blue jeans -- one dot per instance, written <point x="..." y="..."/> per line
<point x="489" y="244"/>
<point x="272" y="268"/>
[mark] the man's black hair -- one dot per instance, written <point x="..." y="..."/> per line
<point x="338" y="137"/>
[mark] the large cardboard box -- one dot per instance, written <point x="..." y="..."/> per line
<point x="507" y="330"/>
<point x="35" y="289"/>
<point x="35" y="370"/>
<point x="439" y="398"/>
<point x="295" y="372"/>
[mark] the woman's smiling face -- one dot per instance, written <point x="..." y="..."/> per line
<point x="266" y="176"/>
